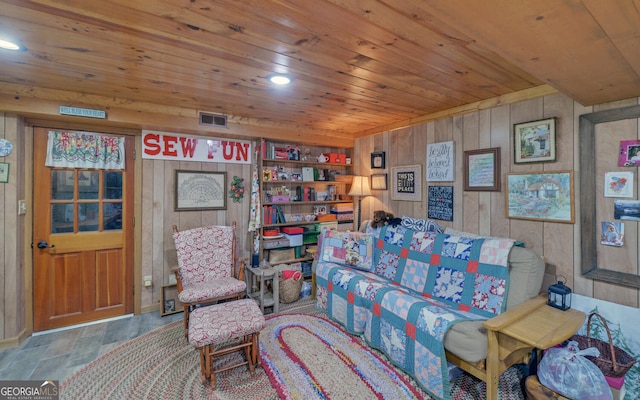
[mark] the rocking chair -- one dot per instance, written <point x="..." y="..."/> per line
<point x="208" y="269"/>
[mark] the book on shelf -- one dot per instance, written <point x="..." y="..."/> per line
<point x="307" y="173"/>
<point x="273" y="215"/>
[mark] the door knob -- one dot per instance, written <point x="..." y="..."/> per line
<point x="44" y="245"/>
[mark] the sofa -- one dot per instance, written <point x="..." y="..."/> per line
<point x="426" y="297"/>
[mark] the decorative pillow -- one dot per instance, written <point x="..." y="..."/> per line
<point x="354" y="249"/>
<point x="421" y="225"/>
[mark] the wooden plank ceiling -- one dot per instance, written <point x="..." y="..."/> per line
<point x="359" y="66"/>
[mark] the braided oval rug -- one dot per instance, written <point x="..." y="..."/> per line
<point x="303" y="357"/>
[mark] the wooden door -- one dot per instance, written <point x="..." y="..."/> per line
<point x="82" y="241"/>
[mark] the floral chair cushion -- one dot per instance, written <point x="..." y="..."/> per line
<point x="224" y="321"/>
<point x="204" y="253"/>
<point x="211" y="289"/>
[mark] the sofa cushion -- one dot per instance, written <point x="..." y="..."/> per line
<point x="467" y="340"/>
<point x="421" y="225"/>
<point x="526" y="271"/>
<point x="354" y="249"/>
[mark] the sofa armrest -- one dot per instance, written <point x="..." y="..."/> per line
<point x="514" y="314"/>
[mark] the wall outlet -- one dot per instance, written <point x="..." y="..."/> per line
<point x="22" y="207"/>
<point x="148" y="281"/>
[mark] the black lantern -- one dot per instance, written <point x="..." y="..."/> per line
<point x="560" y="295"/>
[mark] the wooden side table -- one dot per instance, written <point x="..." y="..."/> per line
<point x="261" y="276"/>
<point x="531" y="326"/>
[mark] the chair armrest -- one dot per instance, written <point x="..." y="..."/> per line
<point x="514" y="314"/>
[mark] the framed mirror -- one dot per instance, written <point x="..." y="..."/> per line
<point x="588" y="193"/>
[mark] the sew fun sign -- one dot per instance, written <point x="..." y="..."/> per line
<point x="174" y="146"/>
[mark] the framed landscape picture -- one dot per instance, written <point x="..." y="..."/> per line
<point x="541" y="196"/>
<point x="534" y="141"/>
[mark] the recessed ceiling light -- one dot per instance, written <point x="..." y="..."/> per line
<point x="5" y="44"/>
<point x="279" y="79"/>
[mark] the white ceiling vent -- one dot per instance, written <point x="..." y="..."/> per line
<point x="208" y="119"/>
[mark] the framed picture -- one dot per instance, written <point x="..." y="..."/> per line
<point x="629" y="153"/>
<point x="541" y="196"/>
<point x="169" y="303"/>
<point x="200" y="190"/>
<point x="4" y="172"/>
<point x="406" y="183"/>
<point x="618" y="184"/>
<point x="377" y="159"/>
<point x="440" y="203"/>
<point x="534" y="141"/>
<point x="441" y="161"/>
<point x="482" y="170"/>
<point x="379" y="182"/>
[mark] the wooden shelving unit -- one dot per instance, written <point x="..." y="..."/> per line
<point x="283" y="177"/>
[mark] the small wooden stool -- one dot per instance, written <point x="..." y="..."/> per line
<point x="215" y="324"/>
<point x="536" y="391"/>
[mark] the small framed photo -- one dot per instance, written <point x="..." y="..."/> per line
<point x="482" y="170"/>
<point x="4" y="172"/>
<point x="406" y="183"/>
<point x="296" y="176"/>
<point x="534" y="141"/>
<point x="377" y="160"/>
<point x="612" y="233"/>
<point x="200" y="190"/>
<point x="169" y="303"/>
<point x="618" y="184"/>
<point x="379" y="182"/>
<point x="629" y="153"/>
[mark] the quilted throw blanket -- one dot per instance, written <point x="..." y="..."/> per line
<point x="433" y="281"/>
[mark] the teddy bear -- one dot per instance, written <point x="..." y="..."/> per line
<point x="382" y="218"/>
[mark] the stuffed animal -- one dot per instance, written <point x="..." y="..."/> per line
<point x="382" y="218"/>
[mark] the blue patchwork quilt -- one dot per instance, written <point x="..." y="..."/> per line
<point x="423" y="283"/>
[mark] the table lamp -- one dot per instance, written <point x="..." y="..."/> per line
<point x="359" y="189"/>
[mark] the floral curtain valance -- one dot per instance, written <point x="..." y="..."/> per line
<point x="84" y="150"/>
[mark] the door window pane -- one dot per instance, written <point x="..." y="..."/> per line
<point x="88" y="184"/>
<point x="88" y="217"/>
<point x="62" y="218"/>
<point x="113" y="185"/>
<point x="61" y="185"/>
<point x="112" y="216"/>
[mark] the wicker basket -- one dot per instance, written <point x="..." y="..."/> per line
<point x="612" y="361"/>
<point x="290" y="289"/>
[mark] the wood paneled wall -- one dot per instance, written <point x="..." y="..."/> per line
<point x="484" y="212"/>
<point x="12" y="226"/>
<point x="478" y="212"/>
<point x="158" y="216"/>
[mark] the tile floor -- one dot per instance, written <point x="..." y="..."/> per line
<point x="57" y="355"/>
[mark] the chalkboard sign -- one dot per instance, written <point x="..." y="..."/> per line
<point x="440" y="203"/>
